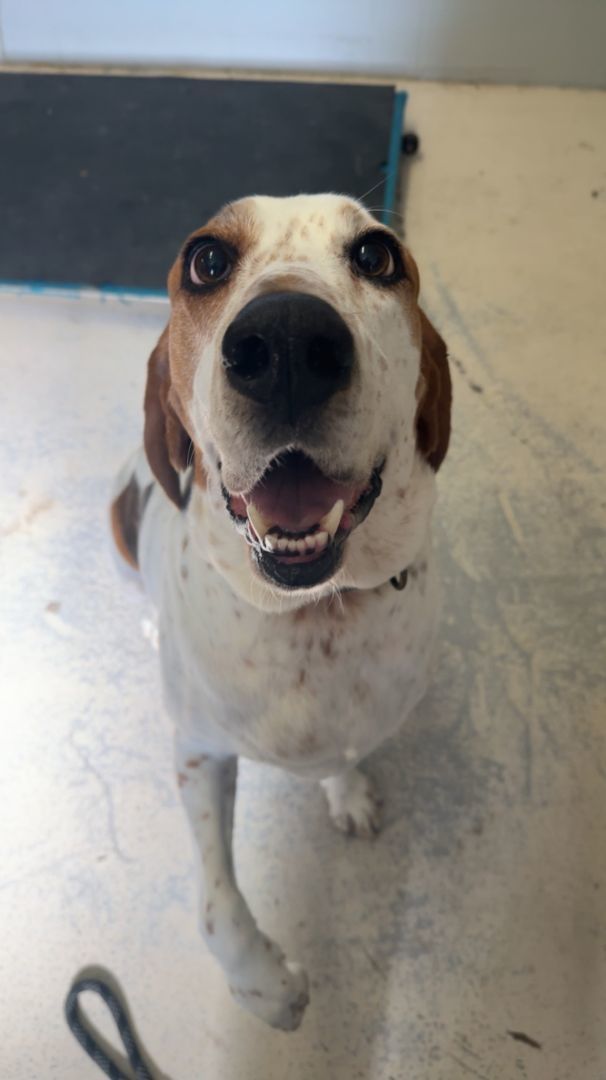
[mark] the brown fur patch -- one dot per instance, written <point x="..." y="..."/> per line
<point x="200" y="474"/>
<point x="126" y="513"/>
<point x="433" y="412"/>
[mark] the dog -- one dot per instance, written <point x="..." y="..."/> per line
<point x="297" y="409"/>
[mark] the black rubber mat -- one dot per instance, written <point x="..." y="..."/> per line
<point x="103" y="176"/>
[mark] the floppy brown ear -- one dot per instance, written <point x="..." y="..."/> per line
<point x="167" y="445"/>
<point x="433" y="414"/>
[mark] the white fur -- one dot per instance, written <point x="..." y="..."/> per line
<point x="311" y="681"/>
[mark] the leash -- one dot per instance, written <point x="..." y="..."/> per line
<point x="104" y="984"/>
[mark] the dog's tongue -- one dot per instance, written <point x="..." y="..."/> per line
<point x="295" y="495"/>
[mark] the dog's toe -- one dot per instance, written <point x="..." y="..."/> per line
<point x="354" y="805"/>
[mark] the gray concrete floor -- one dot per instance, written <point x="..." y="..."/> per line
<point x="481" y="909"/>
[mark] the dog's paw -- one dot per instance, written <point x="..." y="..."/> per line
<point x="272" y="988"/>
<point x="354" y="805"/>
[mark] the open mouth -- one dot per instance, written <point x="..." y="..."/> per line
<point x="297" y="519"/>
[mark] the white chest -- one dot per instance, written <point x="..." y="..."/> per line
<point x="307" y="690"/>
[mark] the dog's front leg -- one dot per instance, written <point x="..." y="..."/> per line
<point x="259" y="976"/>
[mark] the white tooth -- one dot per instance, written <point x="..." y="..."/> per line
<point x="321" y="539"/>
<point x="258" y="522"/>
<point x="292" y="545"/>
<point x="331" y="520"/>
<point x="310" y="541"/>
<point x="301" y="547"/>
<point x="282" y="543"/>
<point x="271" y="542"/>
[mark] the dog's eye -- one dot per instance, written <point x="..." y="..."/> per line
<point x="209" y="263"/>
<point x="374" y="259"/>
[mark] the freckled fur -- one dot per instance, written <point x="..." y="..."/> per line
<point x="312" y="681"/>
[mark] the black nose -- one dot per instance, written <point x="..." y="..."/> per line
<point x="289" y="351"/>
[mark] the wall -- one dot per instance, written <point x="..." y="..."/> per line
<point x="527" y="41"/>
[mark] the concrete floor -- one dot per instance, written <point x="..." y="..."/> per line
<point x="481" y="909"/>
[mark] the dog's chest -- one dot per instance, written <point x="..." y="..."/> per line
<point x="308" y="690"/>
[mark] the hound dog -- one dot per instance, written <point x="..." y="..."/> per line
<point x="297" y="409"/>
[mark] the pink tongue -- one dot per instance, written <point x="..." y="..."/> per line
<point x="294" y="495"/>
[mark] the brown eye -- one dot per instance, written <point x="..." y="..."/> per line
<point x="374" y="259"/>
<point x="210" y="263"/>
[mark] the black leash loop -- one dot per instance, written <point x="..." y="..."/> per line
<point x="89" y="1038"/>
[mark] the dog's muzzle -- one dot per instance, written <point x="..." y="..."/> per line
<point x="289" y="352"/>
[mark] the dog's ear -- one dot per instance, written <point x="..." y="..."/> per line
<point x="435" y="389"/>
<point x="433" y="413"/>
<point x="167" y="445"/>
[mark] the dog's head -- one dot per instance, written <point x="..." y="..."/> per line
<point x="302" y="380"/>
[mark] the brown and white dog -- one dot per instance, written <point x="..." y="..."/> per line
<point x="296" y="411"/>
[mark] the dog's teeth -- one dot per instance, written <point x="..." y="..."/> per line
<point x="271" y="543"/>
<point x="321" y="540"/>
<point x="332" y="520"/>
<point x="292" y="546"/>
<point x="302" y="546"/>
<point x="258" y="522"/>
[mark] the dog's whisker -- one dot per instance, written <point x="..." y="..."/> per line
<point x="378" y="184"/>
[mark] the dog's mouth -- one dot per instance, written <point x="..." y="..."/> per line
<point x="297" y="519"/>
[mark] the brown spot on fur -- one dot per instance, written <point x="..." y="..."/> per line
<point x="308" y="743"/>
<point x="209" y="907"/>
<point x="210" y="927"/>
<point x="53" y="607"/>
<point x="360" y="689"/>
<point x="195" y="762"/>
<point x="326" y="646"/>
<point x="181" y="779"/>
<point x="126" y="513"/>
<point x="249" y="663"/>
<point x="302" y="677"/>
<point x="217" y="883"/>
<point x="401" y="493"/>
<point x="184" y="544"/>
<point x="205" y="816"/>
<point x="184" y="572"/>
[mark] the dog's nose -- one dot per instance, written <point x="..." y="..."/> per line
<point x="289" y="351"/>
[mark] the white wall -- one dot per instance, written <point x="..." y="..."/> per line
<point x="535" y="41"/>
